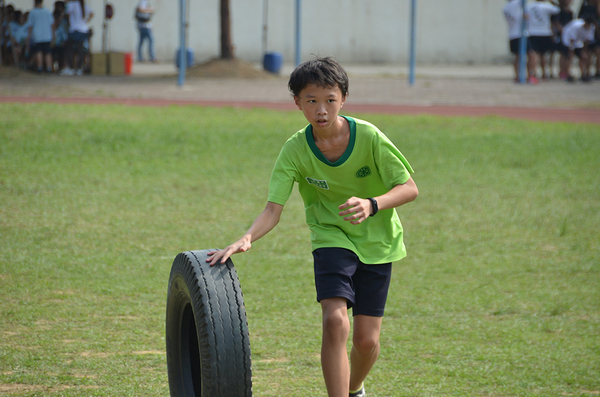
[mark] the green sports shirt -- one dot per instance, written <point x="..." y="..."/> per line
<point x="370" y="167"/>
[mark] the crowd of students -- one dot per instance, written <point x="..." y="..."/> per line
<point x="552" y="30"/>
<point x="44" y="41"/>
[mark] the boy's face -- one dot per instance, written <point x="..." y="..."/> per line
<point x="320" y="105"/>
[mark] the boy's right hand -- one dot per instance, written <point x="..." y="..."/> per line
<point x="221" y="256"/>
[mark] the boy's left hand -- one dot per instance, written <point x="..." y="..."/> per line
<point x="358" y="210"/>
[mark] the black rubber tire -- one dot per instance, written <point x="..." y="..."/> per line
<point x="208" y="345"/>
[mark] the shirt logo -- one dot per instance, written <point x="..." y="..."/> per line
<point x="317" y="183"/>
<point x="363" y="172"/>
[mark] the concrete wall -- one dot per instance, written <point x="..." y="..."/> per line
<point x="353" y="31"/>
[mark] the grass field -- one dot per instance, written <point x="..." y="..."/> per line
<point x="499" y="296"/>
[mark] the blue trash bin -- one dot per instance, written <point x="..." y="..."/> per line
<point x="190" y="57"/>
<point x="273" y="61"/>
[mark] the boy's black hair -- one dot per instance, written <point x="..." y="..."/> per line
<point x="323" y="72"/>
<point x="589" y="18"/>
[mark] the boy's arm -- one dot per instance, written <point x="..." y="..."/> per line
<point x="262" y="225"/>
<point x="360" y="209"/>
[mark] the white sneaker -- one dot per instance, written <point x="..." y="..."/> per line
<point x="79" y="72"/>
<point x="360" y="393"/>
<point x="67" y="72"/>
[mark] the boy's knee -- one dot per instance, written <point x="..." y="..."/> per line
<point x="335" y="320"/>
<point x="336" y="324"/>
<point x="365" y="343"/>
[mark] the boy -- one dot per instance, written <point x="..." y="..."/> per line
<point x="540" y="33"/>
<point x="350" y="177"/>
<point x="40" y="32"/>
<point x="592" y="8"/>
<point x="559" y="22"/>
<point x="575" y="39"/>
<point x="513" y="13"/>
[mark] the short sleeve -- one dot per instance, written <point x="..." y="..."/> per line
<point x="282" y="178"/>
<point x="393" y="166"/>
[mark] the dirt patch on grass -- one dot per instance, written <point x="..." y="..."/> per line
<point x="227" y="68"/>
<point x="8" y="72"/>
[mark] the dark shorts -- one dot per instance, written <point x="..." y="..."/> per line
<point x="43" y="47"/>
<point x="541" y="44"/>
<point x="563" y="49"/>
<point x="78" y="36"/>
<point x="515" y="45"/>
<point x="340" y="274"/>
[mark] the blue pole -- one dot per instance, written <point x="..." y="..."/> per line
<point x="413" y="17"/>
<point x="523" y="46"/>
<point x="182" y="48"/>
<point x="298" y="8"/>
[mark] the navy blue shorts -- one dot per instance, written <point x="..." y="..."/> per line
<point x="541" y="44"/>
<point x="340" y="274"/>
<point x="41" y="47"/>
<point x="515" y="45"/>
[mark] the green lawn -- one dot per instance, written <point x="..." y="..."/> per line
<point x="499" y="296"/>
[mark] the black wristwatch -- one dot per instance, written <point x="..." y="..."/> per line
<point x="374" y="205"/>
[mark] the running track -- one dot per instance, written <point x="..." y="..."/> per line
<point x="581" y="115"/>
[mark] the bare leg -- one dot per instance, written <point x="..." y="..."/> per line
<point x="532" y="62"/>
<point x="334" y="356"/>
<point x="49" y="61"/>
<point x="543" y="65"/>
<point x="583" y="64"/>
<point x="365" y="349"/>
<point x="38" y="60"/>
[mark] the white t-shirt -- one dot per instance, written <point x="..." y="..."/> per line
<point x="513" y="12"/>
<point x="575" y="34"/>
<point x="40" y="20"/>
<point x="539" y="18"/>
<point x="76" y="19"/>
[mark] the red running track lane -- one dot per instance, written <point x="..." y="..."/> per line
<point x="581" y="115"/>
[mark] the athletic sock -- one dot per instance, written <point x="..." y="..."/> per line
<point x="359" y="389"/>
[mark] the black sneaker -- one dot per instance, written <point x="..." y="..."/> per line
<point x="586" y="79"/>
<point x="570" y="79"/>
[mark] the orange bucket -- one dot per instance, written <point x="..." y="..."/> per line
<point x="128" y="63"/>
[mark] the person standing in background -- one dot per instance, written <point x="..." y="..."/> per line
<point x="143" y="13"/>
<point x="40" y="31"/>
<point x="592" y="8"/>
<point x="540" y="33"/>
<point x="513" y="12"/>
<point x="559" y="22"/>
<point x="79" y="16"/>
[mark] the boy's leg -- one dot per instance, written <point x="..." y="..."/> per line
<point x="583" y="63"/>
<point x="365" y="348"/>
<point x="49" y="63"/>
<point x="38" y="60"/>
<point x="334" y="356"/>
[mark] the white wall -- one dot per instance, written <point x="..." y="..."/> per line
<point x="353" y="31"/>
